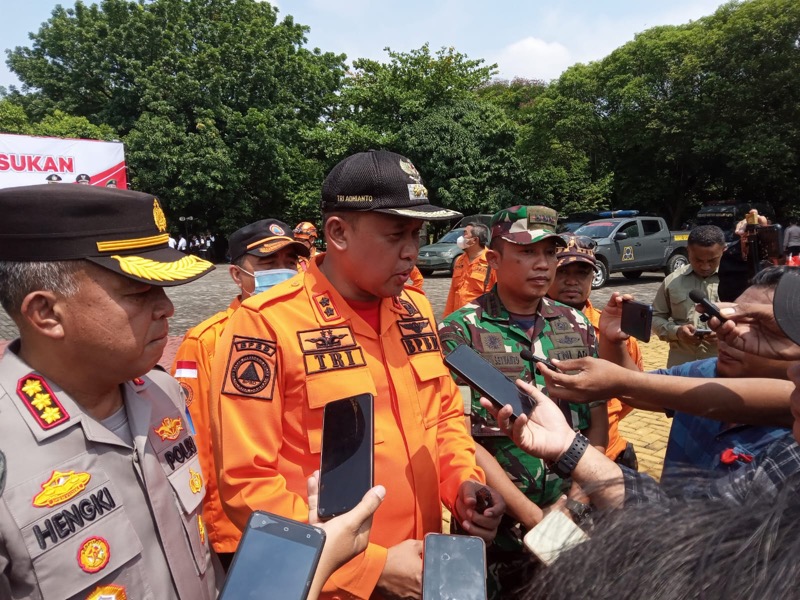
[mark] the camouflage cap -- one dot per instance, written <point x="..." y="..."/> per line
<point x="579" y="248"/>
<point x="526" y="224"/>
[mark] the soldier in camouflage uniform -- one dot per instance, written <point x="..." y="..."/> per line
<point x="513" y="316"/>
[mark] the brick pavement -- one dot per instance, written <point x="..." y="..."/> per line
<point x="198" y="300"/>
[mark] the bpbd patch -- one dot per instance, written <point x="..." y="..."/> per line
<point x="250" y="369"/>
<point x="418" y="336"/>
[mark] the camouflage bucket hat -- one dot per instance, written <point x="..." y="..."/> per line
<point x="526" y="225"/>
<point x="579" y="248"/>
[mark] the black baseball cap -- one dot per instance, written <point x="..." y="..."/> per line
<point x="380" y="181"/>
<point x="120" y="230"/>
<point x="262" y="238"/>
<point x="786" y="304"/>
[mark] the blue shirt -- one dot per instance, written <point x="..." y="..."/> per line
<point x="698" y="443"/>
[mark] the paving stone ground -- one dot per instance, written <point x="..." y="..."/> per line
<point x="197" y="301"/>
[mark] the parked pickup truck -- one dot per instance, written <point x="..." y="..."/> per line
<point x="634" y="245"/>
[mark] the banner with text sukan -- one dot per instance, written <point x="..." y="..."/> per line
<point x="31" y="160"/>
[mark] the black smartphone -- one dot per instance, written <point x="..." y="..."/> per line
<point x="346" y="461"/>
<point x="702" y="332"/>
<point x="484" y="498"/>
<point x="637" y="319"/>
<point x="454" y="568"/>
<point x="491" y="383"/>
<point x="276" y="558"/>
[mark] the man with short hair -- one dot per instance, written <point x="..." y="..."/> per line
<point x="675" y="319"/>
<point x="104" y="488"/>
<point x="572" y="286"/>
<point x="471" y="274"/>
<point x="346" y="326"/>
<point x="262" y="254"/>
<point x="516" y="315"/>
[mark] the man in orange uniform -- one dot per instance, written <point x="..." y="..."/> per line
<point x="416" y="279"/>
<point x="471" y="269"/>
<point x="346" y="326"/>
<point x="572" y="286"/>
<point x="307" y="234"/>
<point x="255" y="249"/>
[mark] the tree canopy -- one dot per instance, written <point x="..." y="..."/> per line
<point x="228" y="116"/>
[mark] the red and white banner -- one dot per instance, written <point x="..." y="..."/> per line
<point x="29" y="160"/>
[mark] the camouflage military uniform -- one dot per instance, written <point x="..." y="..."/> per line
<point x="558" y="332"/>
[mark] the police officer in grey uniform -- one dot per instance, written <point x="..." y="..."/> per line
<point x="103" y="488"/>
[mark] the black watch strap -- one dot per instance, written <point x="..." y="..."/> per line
<point x="567" y="462"/>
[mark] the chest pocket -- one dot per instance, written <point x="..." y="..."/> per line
<point x="431" y="375"/>
<point x="80" y="541"/>
<point x="681" y="306"/>
<point x="324" y="388"/>
<point x="188" y="483"/>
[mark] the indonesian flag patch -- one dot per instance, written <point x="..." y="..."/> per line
<point x="186" y="369"/>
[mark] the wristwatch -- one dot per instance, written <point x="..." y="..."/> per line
<point x="567" y="462"/>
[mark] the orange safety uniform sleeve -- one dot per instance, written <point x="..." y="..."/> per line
<point x="192" y="368"/>
<point x="416" y="278"/>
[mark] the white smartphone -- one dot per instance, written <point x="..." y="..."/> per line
<point x="554" y="534"/>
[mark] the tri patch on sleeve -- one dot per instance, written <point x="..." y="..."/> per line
<point x="251" y="368"/>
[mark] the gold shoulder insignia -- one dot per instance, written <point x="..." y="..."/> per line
<point x="41" y="402"/>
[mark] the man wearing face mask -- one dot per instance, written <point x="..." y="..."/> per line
<point x="470" y="270"/>
<point x="263" y="254"/>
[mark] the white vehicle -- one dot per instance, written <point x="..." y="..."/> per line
<point x="31" y="160"/>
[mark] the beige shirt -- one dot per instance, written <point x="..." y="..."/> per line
<point x="84" y="513"/>
<point x="672" y="307"/>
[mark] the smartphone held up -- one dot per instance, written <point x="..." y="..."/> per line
<point x="637" y="319"/>
<point x="346" y="462"/>
<point x="454" y="567"/>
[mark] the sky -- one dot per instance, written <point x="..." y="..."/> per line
<point x="525" y="38"/>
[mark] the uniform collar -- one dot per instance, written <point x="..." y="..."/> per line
<point x="331" y="309"/>
<point x="494" y="310"/>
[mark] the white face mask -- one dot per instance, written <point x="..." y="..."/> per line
<point x="461" y="242"/>
<point x="270" y="278"/>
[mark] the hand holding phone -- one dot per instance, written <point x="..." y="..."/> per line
<point x="346" y="460"/>
<point x="276" y="557"/>
<point x="637" y="319"/>
<point x="454" y="567"/>
<point x="488" y="380"/>
<point x="702" y="332"/>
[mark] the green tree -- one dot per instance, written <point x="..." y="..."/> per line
<point x="214" y="99"/>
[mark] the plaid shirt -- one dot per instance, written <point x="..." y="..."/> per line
<point x="705" y="444"/>
<point x="758" y="481"/>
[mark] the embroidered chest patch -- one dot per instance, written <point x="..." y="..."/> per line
<point x="250" y="369"/>
<point x="418" y="336"/>
<point x="330" y="349"/>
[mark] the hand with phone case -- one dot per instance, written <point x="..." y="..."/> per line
<point x="637" y="319"/>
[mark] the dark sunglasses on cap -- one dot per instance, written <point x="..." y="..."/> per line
<point x="581" y="241"/>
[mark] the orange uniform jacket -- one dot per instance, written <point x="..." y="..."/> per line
<point x="416" y="278"/>
<point x="469" y="281"/>
<point x="616" y="409"/>
<point x="192" y="368"/>
<point x="289" y="351"/>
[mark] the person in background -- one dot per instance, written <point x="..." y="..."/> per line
<point x="262" y="254"/>
<point x="307" y="234"/>
<point x="416" y="279"/>
<point x="471" y="274"/>
<point x="791" y="238"/>
<point x="675" y="319"/>
<point x="572" y="286"/>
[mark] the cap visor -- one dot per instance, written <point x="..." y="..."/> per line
<point x="568" y="260"/>
<point x="164" y="267"/>
<point x="426" y="212"/>
<point x="275" y="244"/>
<point x="786" y="304"/>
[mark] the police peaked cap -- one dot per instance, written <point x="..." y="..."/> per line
<point x="120" y="230"/>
